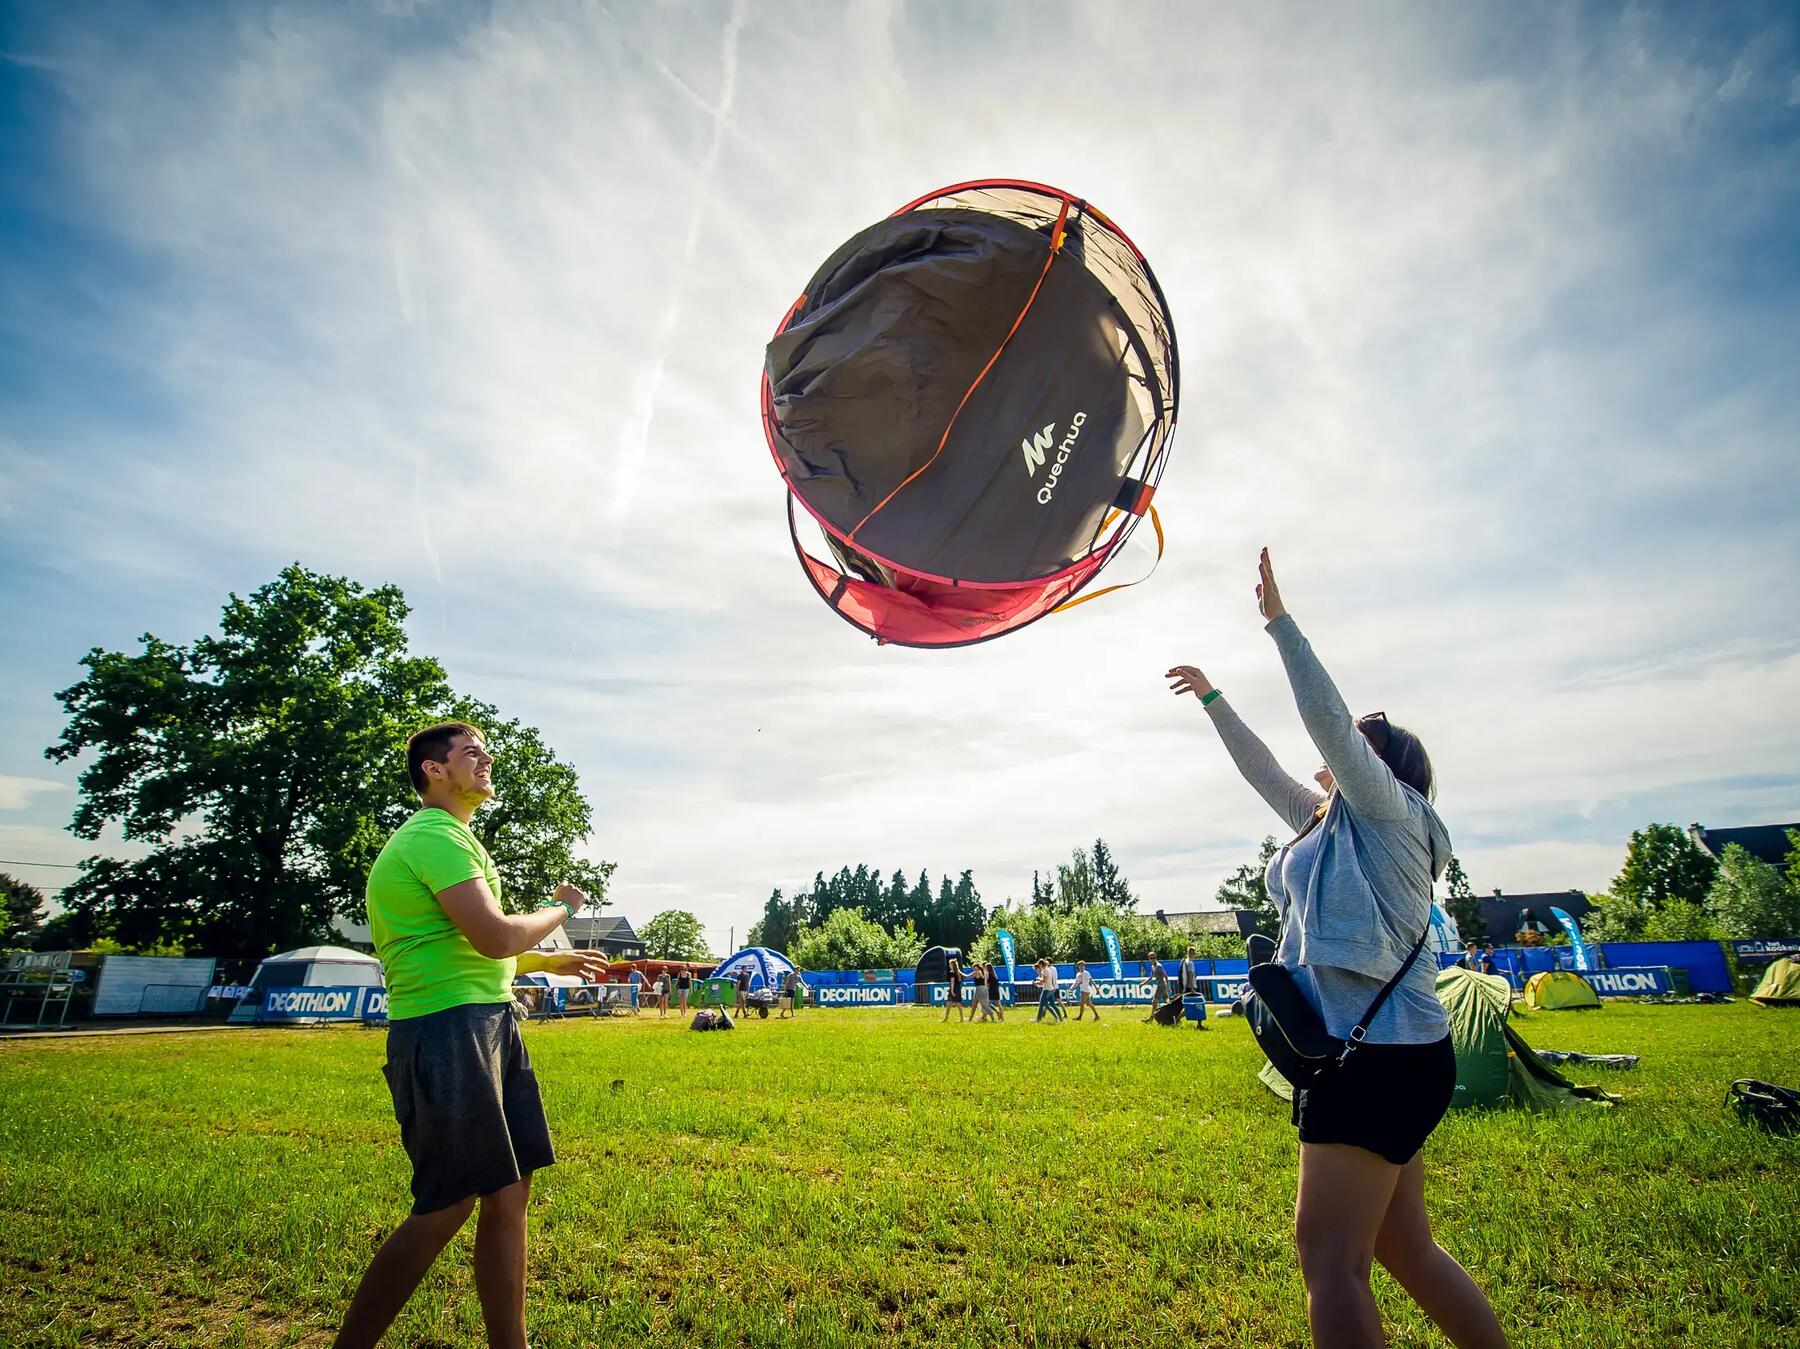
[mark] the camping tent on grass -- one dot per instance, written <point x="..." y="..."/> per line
<point x="308" y="967"/>
<point x="767" y="968"/>
<point x="1780" y="986"/>
<point x="1494" y="1065"/>
<point x="1559" y="991"/>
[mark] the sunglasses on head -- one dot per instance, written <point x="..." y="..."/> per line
<point x="1375" y="728"/>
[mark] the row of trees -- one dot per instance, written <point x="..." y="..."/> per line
<point x="1671" y="889"/>
<point x="266" y="766"/>
<point x="855" y="920"/>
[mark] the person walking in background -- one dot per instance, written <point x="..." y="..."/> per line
<point x="1352" y="886"/>
<point x="984" y="1008"/>
<point x="636" y="980"/>
<point x="1084" y="992"/>
<point x="992" y="978"/>
<point x="1190" y="981"/>
<point x="955" y="975"/>
<point x="1160" y="994"/>
<point x="684" y="983"/>
<point x="663" y="985"/>
<point x="1471" y="957"/>
<point x="743" y="989"/>
<point x="465" y="1096"/>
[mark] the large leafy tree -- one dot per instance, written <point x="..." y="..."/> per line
<point x="1076" y="883"/>
<point x="1247" y="889"/>
<point x="674" y="934"/>
<point x="1663" y="863"/>
<point x="266" y="765"/>
<point x="21" y="912"/>
<point x="537" y="814"/>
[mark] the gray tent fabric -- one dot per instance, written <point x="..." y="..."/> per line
<point x="896" y="328"/>
<point x="974" y="398"/>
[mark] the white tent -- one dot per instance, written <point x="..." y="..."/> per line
<point x="309" y="967"/>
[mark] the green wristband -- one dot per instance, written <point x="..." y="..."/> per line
<point x="1207" y="698"/>
<point x="564" y="905"/>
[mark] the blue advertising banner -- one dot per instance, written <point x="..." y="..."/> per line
<point x="863" y="995"/>
<point x="1757" y="952"/>
<point x="337" y="1003"/>
<point x="1582" y="961"/>
<point x="940" y="994"/>
<point x="1111" y="939"/>
<point x="1006" y="949"/>
<point x="1224" y="990"/>
<point x="1630" y="983"/>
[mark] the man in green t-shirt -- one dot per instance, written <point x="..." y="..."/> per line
<point x="467" y="1101"/>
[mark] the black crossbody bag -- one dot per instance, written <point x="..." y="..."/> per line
<point x="1288" y="1029"/>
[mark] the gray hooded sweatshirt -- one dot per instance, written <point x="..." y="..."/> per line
<point x="1355" y="893"/>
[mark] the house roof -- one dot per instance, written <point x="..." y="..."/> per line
<point x="1500" y="913"/>
<point x="1765" y="842"/>
<point x="1202" y="922"/>
<point x="590" y="927"/>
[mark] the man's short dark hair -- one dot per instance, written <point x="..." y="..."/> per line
<point x="433" y="744"/>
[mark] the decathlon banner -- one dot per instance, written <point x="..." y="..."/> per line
<point x="1224" y="990"/>
<point x="1630" y="983"/>
<point x="1006" y="949"/>
<point x="1582" y="961"/>
<point x="939" y="994"/>
<point x="862" y="995"/>
<point x="1111" y="939"/>
<point x="345" y="1003"/>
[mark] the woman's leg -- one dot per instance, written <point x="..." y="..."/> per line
<point x="1344" y="1196"/>
<point x="1429" y="1273"/>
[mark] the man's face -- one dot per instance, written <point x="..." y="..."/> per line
<point x="467" y="769"/>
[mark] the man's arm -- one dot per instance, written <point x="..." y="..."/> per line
<point x="496" y="935"/>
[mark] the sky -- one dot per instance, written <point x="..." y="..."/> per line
<point x="1488" y="318"/>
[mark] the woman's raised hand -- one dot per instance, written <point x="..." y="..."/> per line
<point x="1188" y="679"/>
<point x="1268" y="597"/>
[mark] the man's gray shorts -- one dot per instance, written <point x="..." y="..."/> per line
<point x="467" y="1100"/>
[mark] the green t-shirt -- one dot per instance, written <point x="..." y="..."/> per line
<point x="429" y="964"/>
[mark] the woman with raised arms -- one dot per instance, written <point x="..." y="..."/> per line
<point x="1353" y="887"/>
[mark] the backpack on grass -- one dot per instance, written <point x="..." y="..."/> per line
<point x="1776" y="1109"/>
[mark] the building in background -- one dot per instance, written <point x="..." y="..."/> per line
<point x="1765" y="842"/>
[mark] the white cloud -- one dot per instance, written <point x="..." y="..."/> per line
<point x="484" y="315"/>
<point x="16" y="792"/>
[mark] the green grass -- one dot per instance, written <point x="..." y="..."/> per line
<point x="874" y="1176"/>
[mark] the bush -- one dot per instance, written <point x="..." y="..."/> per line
<point x="1749" y="900"/>
<point x="846" y="940"/>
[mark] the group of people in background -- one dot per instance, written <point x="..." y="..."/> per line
<point x="984" y="979"/>
<point x="1481" y="961"/>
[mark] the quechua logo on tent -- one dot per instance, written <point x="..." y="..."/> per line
<point x="1037" y="451"/>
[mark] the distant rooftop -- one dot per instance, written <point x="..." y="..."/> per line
<point x="1765" y="842"/>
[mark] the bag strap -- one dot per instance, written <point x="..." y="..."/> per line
<point x="1361" y="1029"/>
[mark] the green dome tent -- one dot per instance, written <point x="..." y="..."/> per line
<point x="1557" y="991"/>
<point x="1780" y="986"/>
<point x="1494" y="1065"/>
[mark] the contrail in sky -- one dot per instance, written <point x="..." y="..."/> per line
<point x="634" y="436"/>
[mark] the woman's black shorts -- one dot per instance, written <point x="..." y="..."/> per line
<point x="1386" y="1099"/>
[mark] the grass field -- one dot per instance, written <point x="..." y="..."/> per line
<point x="874" y="1176"/>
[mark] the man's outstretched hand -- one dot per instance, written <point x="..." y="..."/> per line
<point x="1188" y="679"/>
<point x="588" y="965"/>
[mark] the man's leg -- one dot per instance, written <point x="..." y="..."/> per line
<point x="500" y="1264"/>
<point x="395" y="1272"/>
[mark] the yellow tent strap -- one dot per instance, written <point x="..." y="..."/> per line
<point x="1156" y="524"/>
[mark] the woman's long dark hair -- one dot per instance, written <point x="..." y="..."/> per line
<point x="1403" y="753"/>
